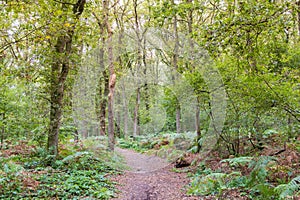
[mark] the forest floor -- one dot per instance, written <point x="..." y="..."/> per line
<point x="150" y="178"/>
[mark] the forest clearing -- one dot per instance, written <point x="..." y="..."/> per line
<point x="150" y="99"/>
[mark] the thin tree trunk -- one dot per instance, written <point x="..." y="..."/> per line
<point x="136" y="118"/>
<point x="103" y="83"/>
<point x="125" y="109"/>
<point x="191" y="47"/>
<point x="2" y="129"/>
<point x="178" y="117"/>
<point x="298" y="14"/>
<point x="111" y="133"/>
<point x="146" y="88"/>
<point x="136" y="113"/>
<point x="84" y="129"/>
<point x="104" y="91"/>
<point x="197" y="123"/>
<point x="175" y="65"/>
<point x="59" y="71"/>
<point x="118" y="119"/>
<point x="119" y="20"/>
<point x="120" y="61"/>
<point x="112" y="79"/>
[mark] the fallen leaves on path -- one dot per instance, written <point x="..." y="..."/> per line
<point x="150" y="178"/>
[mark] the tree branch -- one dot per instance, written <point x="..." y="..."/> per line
<point x="7" y="45"/>
<point x="286" y="107"/>
<point x="65" y="3"/>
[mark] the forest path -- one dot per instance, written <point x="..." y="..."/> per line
<point x="150" y="178"/>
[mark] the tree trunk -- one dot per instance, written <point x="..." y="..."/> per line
<point x="146" y="88"/>
<point x="2" y="130"/>
<point x="103" y="83"/>
<point x="136" y="118"/>
<point x="197" y="123"/>
<point x="104" y="90"/>
<point x="178" y="117"/>
<point x="175" y="65"/>
<point x="136" y="114"/>
<point x="125" y="109"/>
<point x="298" y="15"/>
<point x="191" y="48"/>
<point x="112" y="79"/>
<point x="59" y="71"/>
<point x="118" y="120"/>
<point x="111" y="133"/>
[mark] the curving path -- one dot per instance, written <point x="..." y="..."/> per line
<point x="150" y="178"/>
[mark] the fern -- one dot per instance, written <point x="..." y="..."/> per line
<point x="259" y="172"/>
<point x="212" y="183"/>
<point x="11" y="167"/>
<point x="75" y="156"/>
<point x="266" y="191"/>
<point x="285" y="190"/>
<point x="234" y="162"/>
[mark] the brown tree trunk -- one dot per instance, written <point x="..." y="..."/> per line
<point x="125" y="109"/>
<point x="298" y="14"/>
<point x="59" y="71"/>
<point x="197" y="123"/>
<point x="104" y="90"/>
<point x="136" y="113"/>
<point x="146" y="87"/>
<point x="2" y="130"/>
<point x="112" y="79"/>
<point x="111" y="133"/>
<point x="136" y="118"/>
<point x="175" y="65"/>
<point x="103" y="83"/>
<point x="191" y="47"/>
<point x="118" y="120"/>
<point x="84" y="129"/>
<point x="178" y="117"/>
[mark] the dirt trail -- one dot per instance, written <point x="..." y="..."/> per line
<point x="150" y="178"/>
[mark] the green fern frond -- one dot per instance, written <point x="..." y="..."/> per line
<point x="289" y="189"/>
<point x="234" y="162"/>
<point x="75" y="156"/>
<point x="259" y="171"/>
<point x="211" y="183"/>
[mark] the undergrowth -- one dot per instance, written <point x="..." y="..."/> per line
<point x="255" y="184"/>
<point x="77" y="175"/>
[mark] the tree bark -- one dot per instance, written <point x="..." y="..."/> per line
<point x="298" y="14"/>
<point x="146" y="88"/>
<point x="2" y="130"/>
<point x="125" y="109"/>
<point x="104" y="90"/>
<point x="197" y="123"/>
<point x="136" y="113"/>
<point x="103" y="83"/>
<point x="136" y="118"/>
<point x="112" y="78"/>
<point x="111" y="133"/>
<point x="191" y="47"/>
<point x="59" y="72"/>
<point x="175" y="65"/>
<point x="178" y="117"/>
